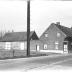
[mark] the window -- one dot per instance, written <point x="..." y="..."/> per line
<point x="8" y="46"/>
<point x="65" y="46"/>
<point x="16" y="45"/>
<point x="45" y="46"/>
<point x="65" y="49"/>
<point x="37" y="47"/>
<point x="58" y="34"/>
<point x="56" y="45"/>
<point x="22" y="46"/>
<point x="46" y="35"/>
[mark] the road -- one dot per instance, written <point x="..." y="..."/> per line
<point x="37" y="63"/>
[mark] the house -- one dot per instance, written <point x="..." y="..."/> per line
<point x="18" y="41"/>
<point x="56" y="38"/>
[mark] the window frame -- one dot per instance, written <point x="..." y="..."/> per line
<point x="8" y="46"/>
<point x="56" y="45"/>
<point x="46" y="35"/>
<point x="58" y="34"/>
<point x="45" y="46"/>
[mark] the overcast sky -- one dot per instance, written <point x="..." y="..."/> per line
<point x="13" y="14"/>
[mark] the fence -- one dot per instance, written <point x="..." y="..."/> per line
<point x="11" y="53"/>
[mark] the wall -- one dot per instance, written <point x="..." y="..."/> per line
<point x="2" y="45"/>
<point x="15" y="49"/>
<point x="52" y="38"/>
<point x="34" y="44"/>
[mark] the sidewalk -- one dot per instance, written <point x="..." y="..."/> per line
<point x="43" y="68"/>
<point x="33" y="58"/>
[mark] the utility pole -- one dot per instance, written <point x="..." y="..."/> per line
<point x="28" y="28"/>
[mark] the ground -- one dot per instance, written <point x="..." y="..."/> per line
<point x="32" y="64"/>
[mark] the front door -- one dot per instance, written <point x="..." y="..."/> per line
<point x="65" y="47"/>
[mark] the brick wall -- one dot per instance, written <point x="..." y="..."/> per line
<point x="52" y="38"/>
<point x="15" y="49"/>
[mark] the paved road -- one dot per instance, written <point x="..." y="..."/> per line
<point x="37" y="63"/>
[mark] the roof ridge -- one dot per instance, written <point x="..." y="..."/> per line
<point x="16" y="36"/>
<point x="64" y="29"/>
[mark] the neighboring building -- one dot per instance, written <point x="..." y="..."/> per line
<point x="18" y="40"/>
<point x="56" y="38"/>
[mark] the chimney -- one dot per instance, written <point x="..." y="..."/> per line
<point x="58" y="23"/>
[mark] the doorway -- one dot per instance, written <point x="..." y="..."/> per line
<point x="66" y="47"/>
<point x="37" y="48"/>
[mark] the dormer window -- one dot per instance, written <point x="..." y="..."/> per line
<point x="46" y="35"/>
<point x="58" y="34"/>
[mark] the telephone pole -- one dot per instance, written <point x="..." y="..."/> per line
<point x="28" y="28"/>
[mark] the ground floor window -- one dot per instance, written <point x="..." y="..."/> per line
<point x="15" y="45"/>
<point x="45" y="46"/>
<point x="37" y="47"/>
<point x="56" y="45"/>
<point x="8" y="45"/>
<point x="23" y="45"/>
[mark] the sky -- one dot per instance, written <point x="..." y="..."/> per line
<point x="13" y="15"/>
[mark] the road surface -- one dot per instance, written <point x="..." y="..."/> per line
<point x="37" y="63"/>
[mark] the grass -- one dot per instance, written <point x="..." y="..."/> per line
<point x="24" y="55"/>
<point x="32" y="54"/>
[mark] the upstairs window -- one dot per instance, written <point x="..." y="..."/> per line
<point x="46" y="35"/>
<point x="58" y="34"/>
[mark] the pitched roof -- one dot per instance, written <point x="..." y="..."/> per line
<point x="15" y="36"/>
<point x="65" y="30"/>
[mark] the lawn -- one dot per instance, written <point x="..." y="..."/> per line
<point x="11" y="54"/>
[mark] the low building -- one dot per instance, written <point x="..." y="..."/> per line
<point x="56" y="38"/>
<point x="18" y="41"/>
